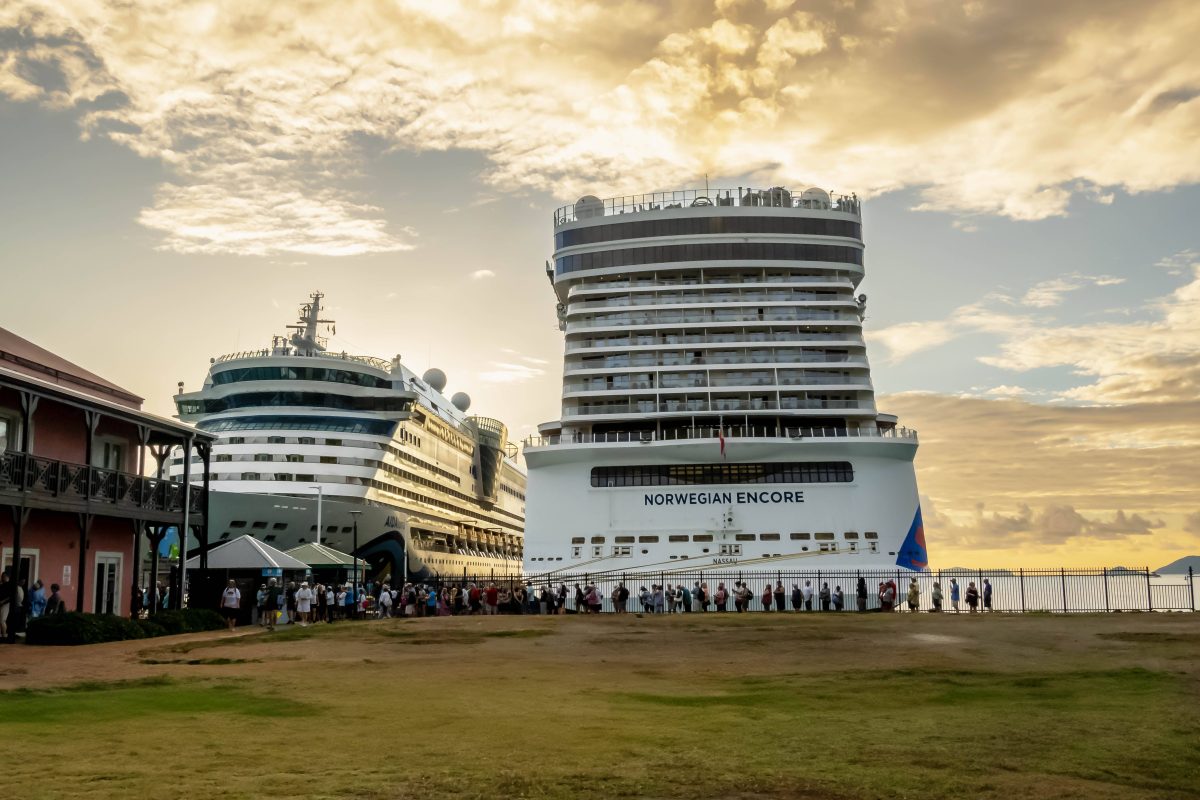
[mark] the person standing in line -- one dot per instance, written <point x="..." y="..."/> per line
<point x="914" y="595"/>
<point x="860" y="594"/>
<point x="825" y="596"/>
<point x="55" y="604"/>
<point x="260" y="606"/>
<point x="780" y="597"/>
<point x="231" y="600"/>
<point x="839" y="600"/>
<point x="767" y="596"/>
<point x="955" y="595"/>
<point x="431" y="603"/>
<point x="797" y="597"/>
<point x="660" y="599"/>
<point x="887" y="596"/>
<point x="936" y="596"/>
<point x="722" y="597"/>
<point x="270" y="604"/>
<point x="37" y="600"/>
<point x="385" y="602"/>
<point x="593" y="600"/>
<point x="972" y="597"/>
<point x="304" y="598"/>
<point x="807" y="593"/>
<point x="987" y="595"/>
<point x="698" y="598"/>
<point x="670" y="599"/>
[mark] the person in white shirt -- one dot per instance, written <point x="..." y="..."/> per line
<point x="231" y="601"/>
<point x="304" y="598"/>
<point x="807" y="593"/>
<point x="385" y="602"/>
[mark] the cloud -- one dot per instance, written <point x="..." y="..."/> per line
<point x="1051" y="482"/>
<point x="1050" y="293"/>
<point x="506" y="372"/>
<point x="482" y="274"/>
<point x="265" y="115"/>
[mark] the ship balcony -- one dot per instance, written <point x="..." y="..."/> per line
<point x="781" y="357"/>
<point x="759" y="280"/>
<point x="676" y="300"/>
<point x="675" y="339"/>
<point x="691" y="406"/>
<point x="710" y="433"/>
<point x="725" y="382"/>
<point x="714" y="319"/>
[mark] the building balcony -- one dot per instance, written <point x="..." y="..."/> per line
<point x="63" y="486"/>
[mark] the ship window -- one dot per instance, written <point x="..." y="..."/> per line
<point x="262" y="456"/>
<point x="800" y="536"/>
<point x="281" y="526"/>
<point x="682" y="538"/>
<point x="274" y="440"/>
<point x="576" y="552"/>
<point x="823" y="537"/>
<point x="347" y="529"/>
<point x="295" y="459"/>
<point x="249" y="476"/>
<point x="854" y="547"/>
<point x="712" y="474"/>
<point x="597" y="551"/>
<point x="282" y="476"/>
<point x="735" y="251"/>
<point x="307" y="440"/>
<point x="306" y="478"/>
<point x="597" y="540"/>
<point x="744" y="537"/>
<point x="870" y="535"/>
<point x="700" y="226"/>
<point x="648" y="540"/>
<point x="225" y="535"/>
<point x="334" y="442"/>
<point x="331" y="528"/>
<point x="329" y="459"/>
<point x="238" y="523"/>
<point x="222" y="457"/>
<point x="269" y="538"/>
<point x="623" y="539"/>
<point x="622" y="551"/>
<point x="850" y="535"/>
<point x="731" y="549"/>
<point x="702" y="537"/>
<point x="769" y="537"/>
<point x="576" y="540"/>
<point x="260" y="525"/>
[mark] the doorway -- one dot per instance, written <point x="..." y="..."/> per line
<point x="107" y="587"/>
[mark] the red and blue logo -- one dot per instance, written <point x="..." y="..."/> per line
<point x="913" y="554"/>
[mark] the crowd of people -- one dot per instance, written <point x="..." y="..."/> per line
<point x="302" y="604"/>
<point x="28" y="603"/>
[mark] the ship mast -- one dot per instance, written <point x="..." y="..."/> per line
<point x="306" y="339"/>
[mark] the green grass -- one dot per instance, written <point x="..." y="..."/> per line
<point x="568" y="708"/>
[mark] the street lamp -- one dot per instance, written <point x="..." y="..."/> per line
<point x="319" y="489"/>
<point x="354" y="553"/>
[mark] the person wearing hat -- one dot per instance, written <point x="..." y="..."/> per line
<point x="304" y="598"/>
<point x="271" y="603"/>
<point x="260" y="605"/>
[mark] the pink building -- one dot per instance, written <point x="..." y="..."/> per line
<point x="74" y="498"/>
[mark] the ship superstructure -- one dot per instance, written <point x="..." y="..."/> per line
<point x="717" y="403"/>
<point x="436" y="492"/>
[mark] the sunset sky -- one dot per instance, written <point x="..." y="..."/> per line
<point x="177" y="177"/>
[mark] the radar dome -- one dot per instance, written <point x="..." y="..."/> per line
<point x="816" y="196"/>
<point x="461" y="401"/>
<point x="435" y="378"/>
<point x="589" y="206"/>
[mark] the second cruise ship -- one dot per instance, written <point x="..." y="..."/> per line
<point x="311" y="441"/>
<point x="717" y="405"/>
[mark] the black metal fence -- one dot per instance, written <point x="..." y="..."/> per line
<point x="1021" y="590"/>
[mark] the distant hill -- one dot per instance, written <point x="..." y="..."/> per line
<point x="1181" y="565"/>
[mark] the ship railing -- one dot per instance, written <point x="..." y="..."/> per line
<point x="717" y="381"/>
<point x="775" y="197"/>
<point x="744" y="299"/>
<point x="718" y="406"/>
<point x="747" y="280"/>
<point x="711" y="432"/>
<point x="658" y="320"/>
<point x="377" y="363"/>
<point x="654" y="341"/>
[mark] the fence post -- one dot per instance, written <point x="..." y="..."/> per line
<point x="1192" y="589"/>
<point x="1022" y="574"/>
<point x="1107" y="606"/>
<point x="1063" y="571"/>
<point x="1149" y="594"/>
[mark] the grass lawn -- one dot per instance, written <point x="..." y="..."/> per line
<point x="703" y="706"/>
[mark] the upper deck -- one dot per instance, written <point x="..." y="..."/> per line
<point x="589" y="207"/>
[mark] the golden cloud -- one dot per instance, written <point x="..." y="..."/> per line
<point x="259" y="109"/>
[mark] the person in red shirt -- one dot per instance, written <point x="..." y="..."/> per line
<point x="492" y="598"/>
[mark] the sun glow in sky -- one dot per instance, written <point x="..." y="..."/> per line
<point x="178" y="176"/>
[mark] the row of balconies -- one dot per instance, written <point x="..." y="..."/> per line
<point x="707" y="281"/>
<point x="713" y="316"/>
<point x="660" y="339"/>
<point x="717" y="405"/>
<point x="691" y="381"/>
<point x="665" y="299"/>
<point x="716" y="358"/>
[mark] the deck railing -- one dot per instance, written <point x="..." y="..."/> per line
<point x="710" y="433"/>
<point x="51" y="478"/>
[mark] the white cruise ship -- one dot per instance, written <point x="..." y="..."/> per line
<point x="304" y="431"/>
<point x="717" y="405"/>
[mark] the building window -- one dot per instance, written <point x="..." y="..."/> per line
<point x="8" y="434"/>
